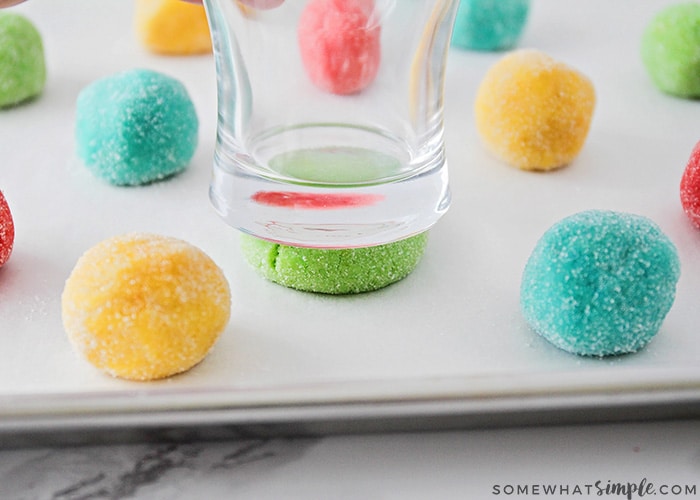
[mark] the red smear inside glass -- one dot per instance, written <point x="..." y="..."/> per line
<point x="314" y="201"/>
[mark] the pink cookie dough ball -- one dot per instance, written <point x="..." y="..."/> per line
<point x="339" y="42"/>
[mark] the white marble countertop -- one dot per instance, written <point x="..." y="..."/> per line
<point x="470" y="464"/>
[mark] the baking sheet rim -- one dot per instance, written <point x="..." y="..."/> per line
<point x="596" y="387"/>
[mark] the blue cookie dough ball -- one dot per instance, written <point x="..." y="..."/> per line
<point x="135" y="127"/>
<point x="489" y="24"/>
<point x="600" y="283"/>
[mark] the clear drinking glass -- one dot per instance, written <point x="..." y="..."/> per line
<point x="330" y="118"/>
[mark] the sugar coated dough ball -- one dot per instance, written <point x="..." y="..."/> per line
<point x="144" y="307"/>
<point x="135" y="127"/>
<point x="533" y="112"/>
<point x="670" y="48"/>
<point x="22" y="65"/>
<point x="334" y="271"/>
<point x="7" y="230"/>
<point x="172" y="27"/>
<point x="690" y="187"/>
<point x="489" y="24"/>
<point x="600" y="283"/>
<point x="340" y="44"/>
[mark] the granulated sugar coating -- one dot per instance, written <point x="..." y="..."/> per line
<point x="690" y="187"/>
<point x="334" y="271"/>
<point x="22" y="65"/>
<point x="144" y="307"/>
<point x="7" y="230"/>
<point x="600" y="283"/>
<point x="135" y="127"/>
<point x="339" y="44"/>
<point x="533" y="112"/>
<point x="670" y="48"/>
<point x="172" y="27"/>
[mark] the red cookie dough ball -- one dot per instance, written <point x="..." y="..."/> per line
<point x="7" y="230"/>
<point x="690" y="187"/>
<point x="339" y="42"/>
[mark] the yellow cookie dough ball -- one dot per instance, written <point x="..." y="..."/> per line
<point x="172" y="27"/>
<point x="533" y="112"/>
<point x="144" y="307"/>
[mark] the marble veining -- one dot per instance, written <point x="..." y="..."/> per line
<point x="130" y="471"/>
<point x="395" y="466"/>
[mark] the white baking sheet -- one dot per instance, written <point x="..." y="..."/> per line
<point x="450" y="335"/>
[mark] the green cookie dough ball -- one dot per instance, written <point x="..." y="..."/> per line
<point x="22" y="65"/>
<point x="671" y="50"/>
<point x="135" y="127"/>
<point x="600" y="283"/>
<point x="334" y="271"/>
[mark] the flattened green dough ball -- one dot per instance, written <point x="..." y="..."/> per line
<point x="22" y="65"/>
<point x="600" y="283"/>
<point x="334" y="271"/>
<point x="135" y="127"/>
<point x="671" y="50"/>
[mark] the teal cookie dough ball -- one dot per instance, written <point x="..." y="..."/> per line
<point x="22" y="64"/>
<point x="135" y="127"/>
<point x="334" y="271"/>
<point x="489" y="25"/>
<point x="600" y="283"/>
<point x="671" y="50"/>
